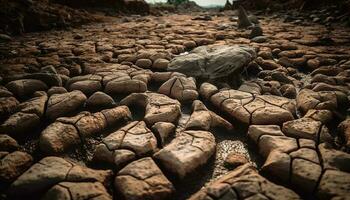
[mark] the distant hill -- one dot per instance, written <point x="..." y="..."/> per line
<point x="213" y="6"/>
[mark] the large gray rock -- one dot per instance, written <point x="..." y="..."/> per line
<point x="213" y="62"/>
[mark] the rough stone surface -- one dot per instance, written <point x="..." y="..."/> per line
<point x="244" y="182"/>
<point x="181" y="88"/>
<point x="158" y="107"/>
<point x="176" y="158"/>
<point x="135" y="138"/>
<point x="67" y="132"/>
<point x="50" y="171"/>
<point x="13" y="165"/>
<point x="212" y="62"/>
<point x="250" y="109"/>
<point x="60" y="105"/>
<point x="142" y="179"/>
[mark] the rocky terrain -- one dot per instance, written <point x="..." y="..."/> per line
<point x="191" y="106"/>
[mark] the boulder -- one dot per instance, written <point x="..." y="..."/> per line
<point x="213" y="62"/>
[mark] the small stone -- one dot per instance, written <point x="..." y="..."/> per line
<point x="144" y="63"/>
<point x="234" y="160"/>
<point x="100" y="100"/>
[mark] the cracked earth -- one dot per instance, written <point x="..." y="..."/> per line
<point x="110" y="111"/>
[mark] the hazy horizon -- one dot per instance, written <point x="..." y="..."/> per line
<point x="199" y="2"/>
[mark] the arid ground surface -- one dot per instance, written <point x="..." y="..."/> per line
<point x="94" y="112"/>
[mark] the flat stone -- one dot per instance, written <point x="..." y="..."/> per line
<point x="187" y="152"/>
<point x="277" y="166"/>
<point x="76" y="191"/>
<point x="256" y="131"/>
<point x="268" y="143"/>
<point x="158" y="107"/>
<point x="161" y="64"/>
<point x="334" y="184"/>
<point x="67" y="132"/>
<point x="246" y="183"/>
<point x="163" y="130"/>
<point x="142" y="179"/>
<point x="20" y="123"/>
<point x="181" y="88"/>
<point x="87" y="87"/>
<point x="144" y="63"/>
<point x="234" y="160"/>
<point x="204" y="119"/>
<point x="125" y="87"/>
<point x="305" y="174"/>
<point x="344" y="130"/>
<point x="249" y="109"/>
<point x="334" y="159"/>
<point x="307" y="128"/>
<point x="134" y="137"/>
<point x="50" y="171"/>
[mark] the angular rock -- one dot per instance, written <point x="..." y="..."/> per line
<point x="308" y="99"/>
<point x="305" y="174"/>
<point x="181" y="88"/>
<point x="188" y="151"/>
<point x="204" y="119"/>
<point x="76" y="191"/>
<point x="334" y="184"/>
<point x="142" y="179"/>
<point x="256" y="131"/>
<point x="158" y="107"/>
<point x="50" y="171"/>
<point x="134" y="137"/>
<point x="67" y="132"/>
<point x="244" y="183"/>
<point x="163" y="130"/>
<point x="307" y="128"/>
<point x="254" y="109"/>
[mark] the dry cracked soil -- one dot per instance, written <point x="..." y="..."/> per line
<point x="176" y="107"/>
